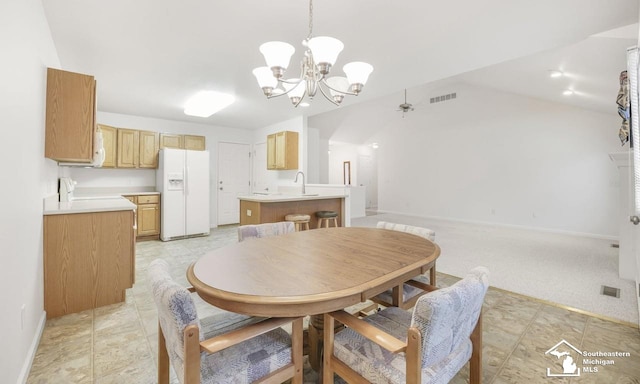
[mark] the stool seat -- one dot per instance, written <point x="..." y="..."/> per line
<point x="326" y="214"/>
<point x="300" y="220"/>
<point x="297" y="217"/>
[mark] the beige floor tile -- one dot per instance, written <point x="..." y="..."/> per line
<point x="142" y="371"/>
<point x="118" y="351"/>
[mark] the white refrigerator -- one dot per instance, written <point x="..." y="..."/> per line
<point x="183" y="179"/>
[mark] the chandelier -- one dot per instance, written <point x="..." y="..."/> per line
<point x="320" y="55"/>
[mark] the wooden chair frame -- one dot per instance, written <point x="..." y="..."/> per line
<point x="412" y="349"/>
<point x="397" y="293"/>
<point x="193" y="347"/>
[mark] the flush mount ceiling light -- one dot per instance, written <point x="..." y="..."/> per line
<point x="555" y="74"/>
<point x="568" y="92"/>
<point x="206" y="103"/>
<point x="320" y="55"/>
<point x="375" y="146"/>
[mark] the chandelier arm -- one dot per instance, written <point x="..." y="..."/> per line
<point x="300" y="101"/>
<point x="323" y="81"/>
<point x="325" y="95"/>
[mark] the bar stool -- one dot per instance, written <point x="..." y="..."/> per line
<point x="300" y="220"/>
<point x="325" y="216"/>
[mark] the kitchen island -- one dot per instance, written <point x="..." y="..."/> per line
<point x="259" y="209"/>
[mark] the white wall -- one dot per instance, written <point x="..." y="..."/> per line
<point x="502" y="158"/>
<point x="275" y="178"/>
<point x="27" y="50"/>
<point x="96" y="178"/>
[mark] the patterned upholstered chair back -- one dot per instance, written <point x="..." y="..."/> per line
<point x="418" y="231"/>
<point x="246" y="232"/>
<point x="176" y="311"/>
<point x="446" y="317"/>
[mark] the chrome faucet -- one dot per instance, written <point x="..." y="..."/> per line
<point x="296" y="180"/>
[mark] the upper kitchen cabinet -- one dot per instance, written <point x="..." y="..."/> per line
<point x="169" y="140"/>
<point x="137" y="149"/>
<point x="70" y="117"/>
<point x="109" y="140"/>
<point x="191" y="142"/>
<point x="195" y="143"/>
<point x="282" y="150"/>
<point x="128" y="148"/>
<point x="149" y="147"/>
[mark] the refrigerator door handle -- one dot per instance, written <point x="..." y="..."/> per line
<point x="186" y="181"/>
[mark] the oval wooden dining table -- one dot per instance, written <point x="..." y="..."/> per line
<point x="309" y="272"/>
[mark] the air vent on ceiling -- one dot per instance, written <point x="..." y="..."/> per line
<point x="441" y="98"/>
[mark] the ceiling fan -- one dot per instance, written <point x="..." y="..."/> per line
<point x="405" y="107"/>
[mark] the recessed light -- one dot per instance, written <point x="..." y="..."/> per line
<point x="555" y="74"/>
<point x="374" y="145"/>
<point x="568" y="92"/>
<point x="304" y="104"/>
<point x="206" y="103"/>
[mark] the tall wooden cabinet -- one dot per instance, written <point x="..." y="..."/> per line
<point x="89" y="260"/>
<point x="70" y="117"/>
<point x="282" y="150"/>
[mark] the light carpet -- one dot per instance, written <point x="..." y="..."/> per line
<point x="564" y="269"/>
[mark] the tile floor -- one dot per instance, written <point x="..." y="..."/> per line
<point x="117" y="343"/>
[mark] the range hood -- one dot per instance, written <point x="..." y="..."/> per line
<point x="98" y="154"/>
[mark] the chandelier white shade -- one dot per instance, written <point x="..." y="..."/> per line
<point x="320" y="56"/>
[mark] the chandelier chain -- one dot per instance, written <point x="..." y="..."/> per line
<point x="310" y="18"/>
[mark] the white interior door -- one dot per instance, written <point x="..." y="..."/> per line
<point x="260" y="179"/>
<point x="367" y="177"/>
<point x="233" y="180"/>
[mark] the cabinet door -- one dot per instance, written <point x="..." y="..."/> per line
<point x="195" y="143"/>
<point x="88" y="260"/>
<point x="291" y="150"/>
<point x="109" y="139"/>
<point x="149" y="147"/>
<point x="281" y="150"/>
<point x="168" y="140"/>
<point x="148" y="219"/>
<point x="128" y="148"/>
<point x="70" y="116"/>
<point x="271" y="151"/>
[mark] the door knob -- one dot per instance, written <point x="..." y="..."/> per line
<point x="221" y="188"/>
<point x="634" y="219"/>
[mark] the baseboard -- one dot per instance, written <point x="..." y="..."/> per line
<point x="26" y="367"/>
<point x="523" y="227"/>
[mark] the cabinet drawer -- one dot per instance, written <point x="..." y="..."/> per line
<point x="148" y="199"/>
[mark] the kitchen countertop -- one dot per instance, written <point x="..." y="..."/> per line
<point x="278" y="198"/>
<point x="87" y="205"/>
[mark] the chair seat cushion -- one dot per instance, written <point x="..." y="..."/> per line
<point x="248" y="361"/>
<point x="408" y="291"/>
<point x="380" y="366"/>
<point x="326" y="214"/>
<point x="297" y="217"/>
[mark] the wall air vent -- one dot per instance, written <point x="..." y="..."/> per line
<point x="441" y="98"/>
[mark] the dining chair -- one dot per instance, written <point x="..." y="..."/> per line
<point x="428" y="345"/>
<point x="406" y="295"/>
<point x="254" y="231"/>
<point x="228" y="348"/>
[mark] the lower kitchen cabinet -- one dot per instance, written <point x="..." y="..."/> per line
<point x="89" y="260"/>
<point x="148" y="215"/>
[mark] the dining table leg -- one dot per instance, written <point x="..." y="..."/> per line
<point x="316" y="334"/>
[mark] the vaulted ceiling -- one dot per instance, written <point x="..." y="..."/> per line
<point x="150" y="56"/>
